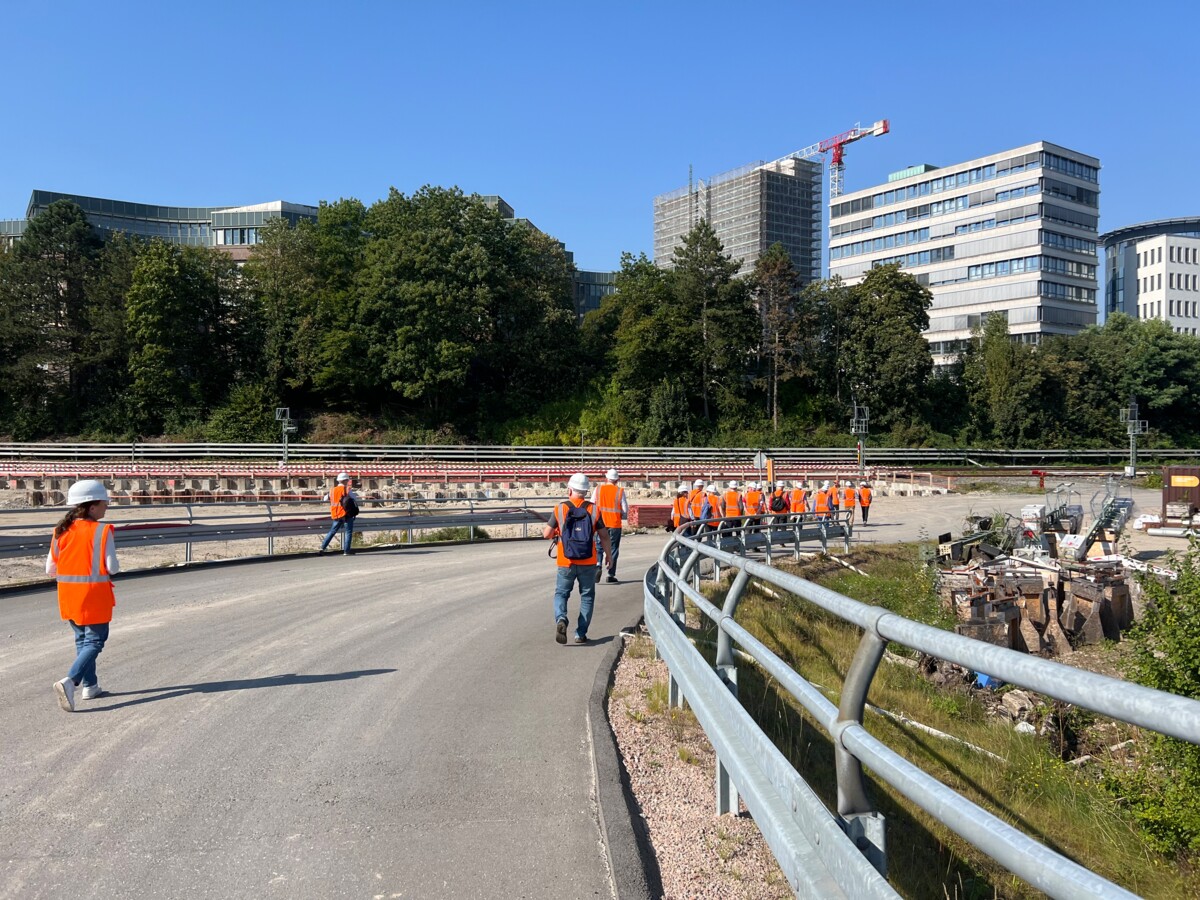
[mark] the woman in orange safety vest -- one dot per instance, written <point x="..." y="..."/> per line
<point x="849" y="495"/>
<point x="797" y="499"/>
<point x="82" y="559"/>
<point x="696" y="499"/>
<point x="680" y="511"/>
<point x="864" y="500"/>
<point x="821" y="505"/>
<point x="755" y="500"/>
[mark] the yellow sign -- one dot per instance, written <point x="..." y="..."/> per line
<point x="770" y="470"/>
<point x="1185" y="481"/>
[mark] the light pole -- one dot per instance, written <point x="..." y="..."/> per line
<point x="860" y="425"/>
<point x="283" y="415"/>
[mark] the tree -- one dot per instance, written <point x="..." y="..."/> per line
<point x="774" y="288"/>
<point x="1002" y="379"/>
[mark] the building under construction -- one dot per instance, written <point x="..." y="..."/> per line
<point x="750" y="209"/>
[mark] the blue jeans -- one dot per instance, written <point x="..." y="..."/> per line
<point x="347" y="533"/>
<point x="89" y="641"/>
<point x="614" y="538"/>
<point x="567" y="576"/>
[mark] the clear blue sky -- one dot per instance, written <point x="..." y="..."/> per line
<point x="579" y="113"/>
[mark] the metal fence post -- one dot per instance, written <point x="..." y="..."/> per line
<point x="270" y="531"/>
<point x="187" y="548"/>
<point x="848" y="532"/>
<point x="865" y="825"/>
<point x="727" y="793"/>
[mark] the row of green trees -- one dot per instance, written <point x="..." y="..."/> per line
<point x="430" y="317"/>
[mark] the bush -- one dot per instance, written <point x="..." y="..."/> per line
<point x="459" y="533"/>
<point x="248" y="415"/>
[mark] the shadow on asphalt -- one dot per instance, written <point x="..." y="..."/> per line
<point x="216" y="687"/>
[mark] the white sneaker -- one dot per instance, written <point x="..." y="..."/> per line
<point x="92" y="691"/>
<point x="65" y="690"/>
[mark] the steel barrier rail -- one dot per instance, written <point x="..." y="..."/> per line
<point x="669" y="582"/>
<point x="148" y="532"/>
<point x="586" y="456"/>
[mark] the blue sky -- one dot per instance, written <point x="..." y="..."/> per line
<point x="578" y="113"/>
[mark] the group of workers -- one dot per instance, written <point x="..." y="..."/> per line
<point x="711" y="504"/>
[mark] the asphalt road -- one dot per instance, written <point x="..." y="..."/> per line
<point x="393" y="724"/>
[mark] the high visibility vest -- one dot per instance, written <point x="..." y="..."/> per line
<point x="864" y="496"/>
<point x="732" y="502"/>
<point x="717" y="507"/>
<point x="335" y="502"/>
<point x="848" y="497"/>
<point x="696" y="502"/>
<point x="778" y="493"/>
<point x="85" y="592"/>
<point x="834" y="502"/>
<point x="821" y="501"/>
<point x="560" y="519"/>
<point x="679" y="511"/>
<point x="608" y="500"/>
<point x="796" y="501"/>
<point x="754" y="503"/>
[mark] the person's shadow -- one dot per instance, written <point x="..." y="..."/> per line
<point x="215" y="687"/>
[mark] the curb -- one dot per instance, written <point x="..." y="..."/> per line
<point x="631" y="858"/>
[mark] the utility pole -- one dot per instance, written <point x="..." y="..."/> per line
<point x="860" y="425"/>
<point x="1133" y="427"/>
<point x="283" y="415"/>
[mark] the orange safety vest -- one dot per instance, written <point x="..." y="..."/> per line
<point x="821" y="501"/>
<point x="732" y="501"/>
<point x="85" y="592"/>
<point x="608" y="499"/>
<point x="679" y="511"/>
<point x="696" y="502"/>
<point x="834" y="501"/>
<point x="754" y="503"/>
<point x="560" y="519"/>
<point x="848" y="497"/>
<point x="717" y="506"/>
<point x="335" y="502"/>
<point x="796" y="501"/>
<point x="778" y="492"/>
<point x="864" y="496"/>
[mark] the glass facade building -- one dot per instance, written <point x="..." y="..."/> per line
<point x="1122" y="284"/>
<point x="1013" y="233"/>
<point x="750" y="209"/>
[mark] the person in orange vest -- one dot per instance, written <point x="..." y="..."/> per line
<point x="733" y="503"/>
<point x="609" y="498"/>
<point x="835" y="500"/>
<point x="343" y="508"/>
<point x="849" y="496"/>
<point x="755" y="501"/>
<point x="777" y="502"/>
<point x="575" y="527"/>
<point x="864" y="500"/>
<point x="713" y="508"/>
<point x="696" y="499"/>
<point x="797" y="499"/>
<point x="83" y="559"/>
<point x="821" y="505"/>
<point x="681" y="512"/>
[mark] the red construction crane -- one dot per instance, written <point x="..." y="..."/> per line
<point x="837" y="143"/>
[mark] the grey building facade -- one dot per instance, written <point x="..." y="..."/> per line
<point x="750" y="209"/>
<point x="1013" y="233"/>
<point x="1128" y="268"/>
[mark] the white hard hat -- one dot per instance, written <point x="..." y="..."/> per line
<point x="711" y="489"/>
<point x="825" y="485"/>
<point x="612" y="474"/>
<point x="342" y="476"/>
<point x="752" y="485"/>
<point x="86" y="492"/>
<point x="579" y="482"/>
<point x="864" y="484"/>
<point x="682" y="489"/>
<point x="733" y="485"/>
<point x="699" y="482"/>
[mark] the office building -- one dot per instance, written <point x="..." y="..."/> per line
<point x="750" y="209"/>
<point x="1131" y="260"/>
<point x="1153" y="272"/>
<point x="1011" y="233"/>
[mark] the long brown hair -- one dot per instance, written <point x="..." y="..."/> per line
<point x="73" y="514"/>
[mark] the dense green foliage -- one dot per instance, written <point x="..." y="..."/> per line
<point x="429" y="317"/>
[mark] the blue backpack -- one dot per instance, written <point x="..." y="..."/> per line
<point x="578" y="532"/>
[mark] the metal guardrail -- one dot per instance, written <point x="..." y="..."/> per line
<point x="197" y="524"/>
<point x="844" y="853"/>
<point x="588" y="457"/>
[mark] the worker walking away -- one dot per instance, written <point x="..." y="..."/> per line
<point x="712" y="510"/>
<point x="681" y="512"/>
<point x="609" y="498"/>
<point x="755" y="502"/>
<point x="864" y="500"/>
<point x="343" y="509"/>
<point x="835" y="500"/>
<point x="83" y="559"/>
<point x="777" y="503"/>
<point x="575" y="527"/>
<point x="696" y="499"/>
<point x="821" y="505"/>
<point x="734" y="505"/>
<point x="797" y="500"/>
<point x="849" y="496"/>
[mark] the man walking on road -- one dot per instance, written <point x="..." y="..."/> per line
<point x="343" y="507"/>
<point x="864" y="501"/>
<point x="576" y="526"/>
<point x="609" y="498"/>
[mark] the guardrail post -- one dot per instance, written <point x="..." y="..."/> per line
<point x="471" y="527"/>
<point x="727" y="793"/>
<point x="865" y="825"/>
<point x="824" y="537"/>
<point x="270" y="532"/>
<point x="410" y="521"/>
<point x="848" y="531"/>
<point x="187" y="548"/>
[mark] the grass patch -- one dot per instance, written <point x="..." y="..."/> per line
<point x="994" y="487"/>
<point x="459" y="533"/>
<point x="1065" y="808"/>
<point x="687" y="756"/>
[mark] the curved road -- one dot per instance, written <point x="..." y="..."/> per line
<point x="393" y="724"/>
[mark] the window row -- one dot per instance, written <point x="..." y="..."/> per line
<point x="920" y="258"/>
<point x="1185" y="308"/>
<point x="1068" y="242"/>
<point x="235" y="236"/>
<point x="1071" y="167"/>
<point x="1181" y="254"/>
<point x="1180" y="282"/>
<point x="936" y="208"/>
<point x="1066" y="291"/>
<point x="902" y="239"/>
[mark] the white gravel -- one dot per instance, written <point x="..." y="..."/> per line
<point x="671" y="768"/>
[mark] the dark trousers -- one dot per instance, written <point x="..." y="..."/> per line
<point x="865" y="511"/>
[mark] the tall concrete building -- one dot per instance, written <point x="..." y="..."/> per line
<point x="1153" y="272"/>
<point x="1144" y="261"/>
<point x="750" y="209"/>
<point x="1013" y="233"/>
